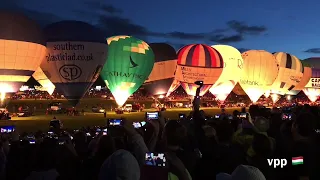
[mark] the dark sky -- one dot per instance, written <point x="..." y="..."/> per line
<point x="289" y="26"/>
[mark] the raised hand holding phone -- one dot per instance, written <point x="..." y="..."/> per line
<point x="128" y="126"/>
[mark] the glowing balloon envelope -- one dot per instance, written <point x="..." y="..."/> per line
<point x="312" y="89"/>
<point x="174" y="86"/>
<point x="307" y="73"/>
<point x="232" y="70"/>
<point x="259" y="72"/>
<point x="22" y="48"/>
<point x="238" y="90"/>
<point x="290" y="73"/>
<point x="162" y="74"/>
<point x="198" y="62"/>
<point x="43" y="80"/>
<point x="76" y="52"/>
<point x="130" y="62"/>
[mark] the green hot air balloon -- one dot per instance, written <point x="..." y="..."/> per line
<point x="130" y="62"/>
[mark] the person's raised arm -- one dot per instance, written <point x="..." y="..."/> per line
<point x="139" y="147"/>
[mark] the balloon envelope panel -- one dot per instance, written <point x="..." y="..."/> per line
<point x="259" y="72"/>
<point x="238" y="90"/>
<point x="307" y="73"/>
<point x="290" y="73"/>
<point x="199" y="62"/>
<point x="192" y="88"/>
<point x="130" y="62"/>
<point x="43" y="80"/>
<point x="174" y="86"/>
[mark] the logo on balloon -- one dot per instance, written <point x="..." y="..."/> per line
<point x="295" y="79"/>
<point x="240" y="63"/>
<point x="70" y="72"/>
<point x="133" y="64"/>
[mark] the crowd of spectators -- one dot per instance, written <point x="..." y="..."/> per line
<point x="195" y="147"/>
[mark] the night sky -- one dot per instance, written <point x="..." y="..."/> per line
<point x="288" y="26"/>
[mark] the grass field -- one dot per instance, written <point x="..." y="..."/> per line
<point x="40" y="121"/>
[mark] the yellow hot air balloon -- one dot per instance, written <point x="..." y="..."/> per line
<point x="22" y="48"/>
<point x="312" y="89"/>
<point x="290" y="73"/>
<point x="43" y="80"/>
<point x="259" y="72"/>
<point x="232" y="70"/>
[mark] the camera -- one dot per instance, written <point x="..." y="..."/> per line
<point x="199" y="83"/>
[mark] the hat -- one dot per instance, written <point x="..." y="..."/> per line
<point x="242" y="172"/>
<point x="262" y="124"/>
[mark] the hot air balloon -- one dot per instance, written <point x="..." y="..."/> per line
<point x="290" y="73"/>
<point x="307" y="73"/>
<point x="312" y="89"/>
<point x="43" y="80"/>
<point x="76" y="52"/>
<point x="259" y="72"/>
<point x="313" y="62"/>
<point x="162" y="74"/>
<point x="130" y="62"/>
<point x="22" y="48"/>
<point x="198" y="62"/>
<point x="233" y="64"/>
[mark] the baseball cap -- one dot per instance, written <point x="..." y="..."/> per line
<point x="242" y="172"/>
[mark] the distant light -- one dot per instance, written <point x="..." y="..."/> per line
<point x="24" y="88"/>
<point x="161" y="96"/>
<point x="275" y="98"/>
<point x="98" y="88"/>
<point x="289" y="98"/>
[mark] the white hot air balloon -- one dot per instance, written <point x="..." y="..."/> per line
<point x="290" y="74"/>
<point x="232" y="70"/>
<point x="312" y="89"/>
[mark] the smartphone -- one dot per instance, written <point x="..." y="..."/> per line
<point x="286" y="116"/>
<point x="155" y="159"/>
<point x="50" y="133"/>
<point x="182" y="116"/>
<point x="61" y="142"/>
<point x="32" y="141"/>
<point x="243" y="115"/>
<point x="230" y="117"/>
<point x="7" y="129"/>
<point x="152" y="115"/>
<point x="115" y="122"/>
<point x="143" y="123"/>
<point x="136" y="125"/>
<point x="88" y="134"/>
<point x="217" y="116"/>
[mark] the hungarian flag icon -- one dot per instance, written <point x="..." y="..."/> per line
<point x="297" y="160"/>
